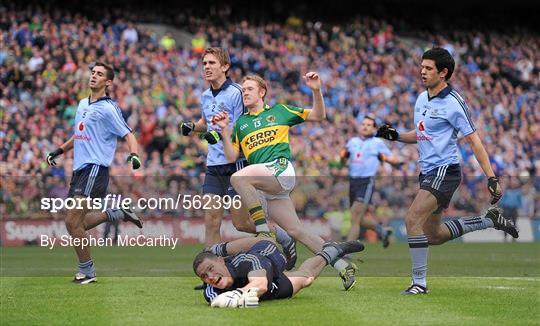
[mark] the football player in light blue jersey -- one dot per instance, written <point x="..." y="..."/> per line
<point x="440" y="113"/>
<point x="224" y="96"/>
<point x="98" y="124"/>
<point x="364" y="155"/>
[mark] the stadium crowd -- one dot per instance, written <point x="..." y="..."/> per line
<point x="367" y="69"/>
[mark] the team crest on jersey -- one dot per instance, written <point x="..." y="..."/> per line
<point x="81" y="126"/>
<point x="222" y="107"/>
<point x="271" y="119"/>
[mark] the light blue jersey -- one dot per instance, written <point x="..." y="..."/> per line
<point x="226" y="99"/>
<point x="363" y="156"/>
<point x="437" y="122"/>
<point x="97" y="126"/>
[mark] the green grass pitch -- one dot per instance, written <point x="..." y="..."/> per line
<point x="472" y="284"/>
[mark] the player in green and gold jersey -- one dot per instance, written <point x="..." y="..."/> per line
<point x="263" y="136"/>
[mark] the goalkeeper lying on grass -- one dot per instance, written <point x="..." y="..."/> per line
<point x="240" y="272"/>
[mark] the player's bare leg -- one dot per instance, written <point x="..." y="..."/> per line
<point x="312" y="267"/>
<point x="284" y="214"/>
<point x="358" y="210"/>
<point x="212" y="223"/>
<point x="246" y="182"/>
<point x="241" y="220"/>
<point x="93" y="219"/>
<point x="75" y="227"/>
<point x="423" y="206"/>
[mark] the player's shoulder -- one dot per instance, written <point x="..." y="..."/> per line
<point x="235" y="89"/>
<point x="354" y="140"/>
<point x="455" y="98"/>
<point x="84" y="101"/>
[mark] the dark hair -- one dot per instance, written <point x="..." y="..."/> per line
<point x="200" y="258"/>
<point x="443" y="59"/>
<point x="372" y="119"/>
<point x="108" y="68"/>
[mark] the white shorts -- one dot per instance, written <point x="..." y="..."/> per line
<point x="283" y="170"/>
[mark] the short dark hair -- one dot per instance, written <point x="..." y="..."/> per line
<point x="443" y="59"/>
<point x="108" y="68"/>
<point x="372" y="119"/>
<point x="200" y="258"/>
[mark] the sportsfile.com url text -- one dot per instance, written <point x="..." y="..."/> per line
<point x="114" y="201"/>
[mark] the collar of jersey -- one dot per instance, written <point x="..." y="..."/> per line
<point x="223" y="86"/>
<point x="99" y="99"/>
<point x="259" y="111"/>
<point x="442" y="94"/>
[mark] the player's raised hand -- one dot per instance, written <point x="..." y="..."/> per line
<point x="387" y="132"/>
<point x="313" y="80"/>
<point x="221" y="120"/>
<point x="495" y="189"/>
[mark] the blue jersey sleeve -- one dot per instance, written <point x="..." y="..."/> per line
<point x="115" y="121"/>
<point x="383" y="149"/>
<point x="210" y="292"/>
<point x="459" y="116"/>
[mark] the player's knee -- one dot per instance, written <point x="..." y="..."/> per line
<point x="236" y="180"/>
<point x="244" y="226"/>
<point x="296" y="233"/>
<point x="74" y="224"/>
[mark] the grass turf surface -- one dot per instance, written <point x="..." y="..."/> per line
<point x="476" y="284"/>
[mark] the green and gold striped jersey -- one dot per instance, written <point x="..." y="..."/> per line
<point x="264" y="136"/>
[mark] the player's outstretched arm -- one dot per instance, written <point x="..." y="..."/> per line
<point x="67" y="146"/>
<point x="318" y="111"/>
<point x="482" y="157"/>
<point x="408" y="137"/>
<point x="222" y="121"/>
<point x="257" y="279"/>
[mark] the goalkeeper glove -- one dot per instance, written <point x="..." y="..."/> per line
<point x="228" y="299"/>
<point x="52" y="155"/>
<point x="249" y="299"/>
<point x="212" y="136"/>
<point x="387" y="132"/>
<point x="187" y="127"/>
<point x="494" y="189"/>
<point x="135" y="160"/>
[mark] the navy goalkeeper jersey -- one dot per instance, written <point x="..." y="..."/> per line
<point x="263" y="255"/>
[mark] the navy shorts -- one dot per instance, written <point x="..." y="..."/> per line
<point x="90" y="181"/>
<point x="217" y="180"/>
<point x="361" y="189"/>
<point x="442" y="182"/>
<point x="281" y="287"/>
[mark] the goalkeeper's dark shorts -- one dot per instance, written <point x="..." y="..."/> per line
<point x="441" y="182"/>
<point x="280" y="287"/>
